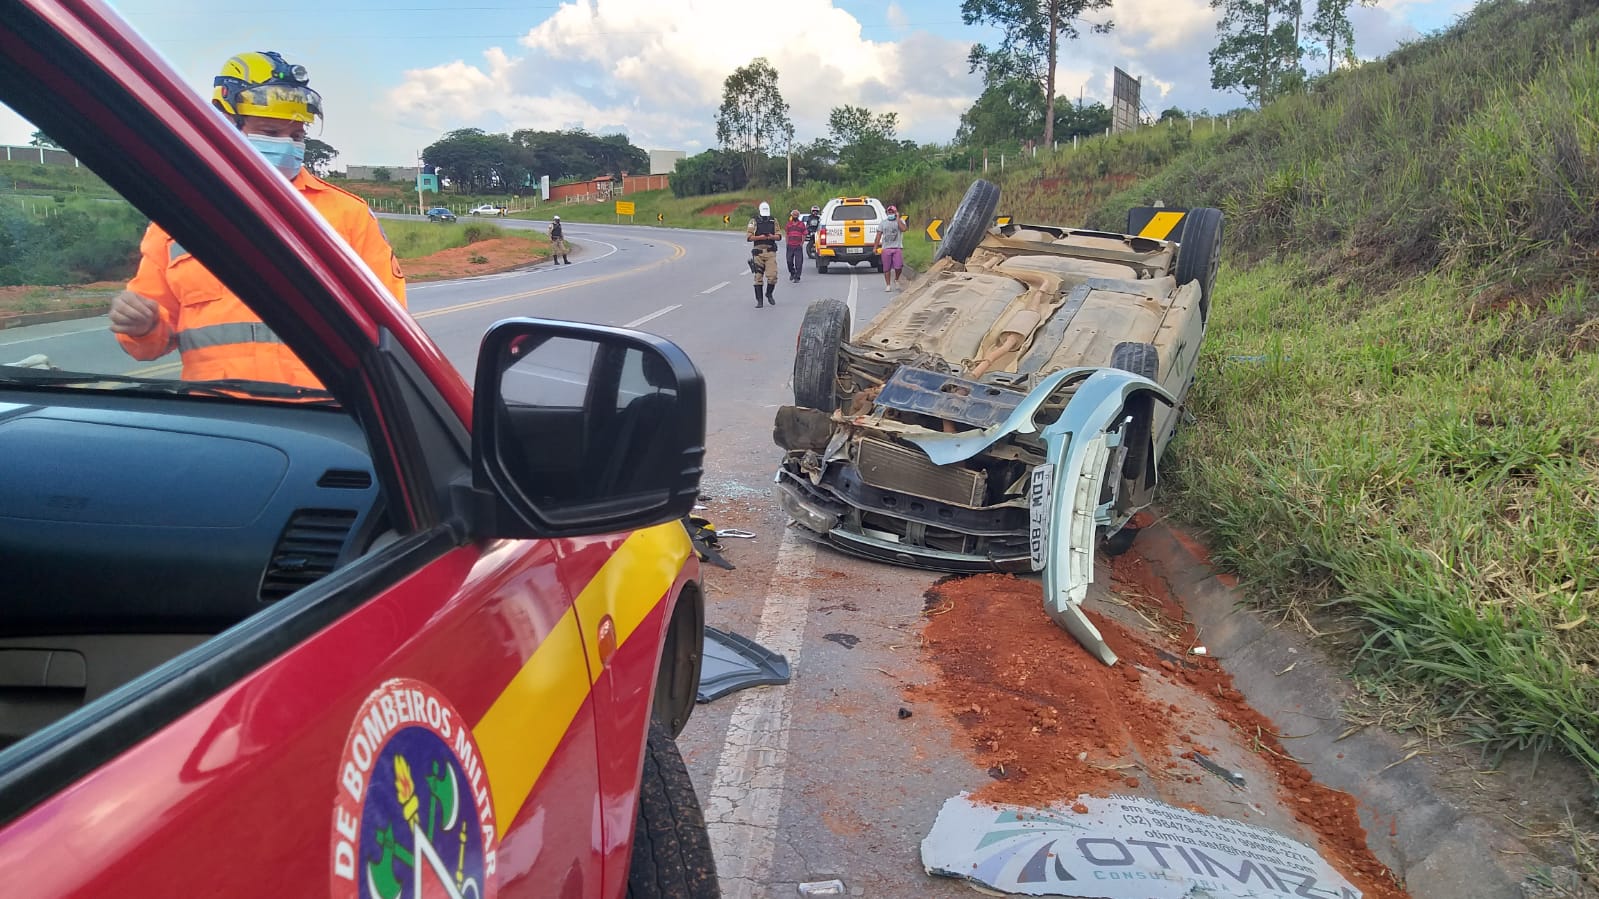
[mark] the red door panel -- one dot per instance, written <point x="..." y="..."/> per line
<point x="253" y="792"/>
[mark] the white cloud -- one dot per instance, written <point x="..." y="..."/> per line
<point x="657" y="69"/>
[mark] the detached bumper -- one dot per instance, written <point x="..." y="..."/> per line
<point x="831" y="522"/>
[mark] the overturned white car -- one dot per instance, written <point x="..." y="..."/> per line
<point x="1008" y="411"/>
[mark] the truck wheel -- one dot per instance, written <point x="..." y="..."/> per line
<point x="1140" y="359"/>
<point x="822" y="335"/>
<point x="1199" y="254"/>
<point x="671" y="856"/>
<point x="821" y="266"/>
<point x="970" y="222"/>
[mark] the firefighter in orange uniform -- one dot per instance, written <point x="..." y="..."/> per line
<point x="174" y="303"/>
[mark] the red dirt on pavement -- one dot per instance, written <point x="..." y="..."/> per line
<point x="1049" y="721"/>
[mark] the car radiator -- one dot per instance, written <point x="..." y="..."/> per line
<point x="905" y="470"/>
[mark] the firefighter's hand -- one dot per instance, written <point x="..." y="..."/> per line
<point x="134" y="315"/>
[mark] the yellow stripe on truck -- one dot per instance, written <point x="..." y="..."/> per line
<point x="1161" y="225"/>
<point x="629" y="585"/>
<point x="520" y="732"/>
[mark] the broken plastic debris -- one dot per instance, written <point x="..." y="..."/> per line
<point x="1198" y="650"/>
<point x="822" y="888"/>
<point x="1227" y="774"/>
<point x="733" y="662"/>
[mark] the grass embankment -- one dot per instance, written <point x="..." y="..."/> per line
<point x="1397" y="413"/>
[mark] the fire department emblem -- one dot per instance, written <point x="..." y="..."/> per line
<point x="413" y="818"/>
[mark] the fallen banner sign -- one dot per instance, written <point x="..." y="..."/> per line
<point x="1123" y="847"/>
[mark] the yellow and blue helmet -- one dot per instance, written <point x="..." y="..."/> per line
<point x="263" y="84"/>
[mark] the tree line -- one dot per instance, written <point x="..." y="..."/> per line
<point x="477" y="162"/>
<point x="1261" y="53"/>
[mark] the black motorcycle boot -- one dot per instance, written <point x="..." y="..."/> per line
<point x="771" y="286"/>
<point x="758" y="303"/>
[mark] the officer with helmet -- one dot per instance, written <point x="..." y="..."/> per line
<point x="762" y="231"/>
<point x="173" y="303"/>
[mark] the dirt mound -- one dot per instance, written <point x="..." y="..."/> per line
<point x="1049" y="722"/>
<point x="498" y="255"/>
<point x="723" y="208"/>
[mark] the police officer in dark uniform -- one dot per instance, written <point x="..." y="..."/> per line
<point x="763" y="233"/>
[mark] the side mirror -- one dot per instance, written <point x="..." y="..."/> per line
<point x="583" y="429"/>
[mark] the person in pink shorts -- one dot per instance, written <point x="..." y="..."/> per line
<point x="891" y="241"/>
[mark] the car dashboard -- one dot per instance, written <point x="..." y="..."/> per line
<point x="133" y="527"/>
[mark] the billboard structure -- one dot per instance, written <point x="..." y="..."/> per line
<point x="1124" y="103"/>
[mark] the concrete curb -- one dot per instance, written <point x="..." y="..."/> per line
<point x="23" y="319"/>
<point x="1435" y="846"/>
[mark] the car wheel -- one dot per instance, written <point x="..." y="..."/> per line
<point x="1140" y="359"/>
<point x="821" y="266"/>
<point x="1199" y="254"/>
<point x="671" y="856"/>
<point x="821" y="337"/>
<point x="970" y="222"/>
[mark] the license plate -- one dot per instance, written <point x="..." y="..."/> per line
<point x="852" y="251"/>
<point x="1040" y="500"/>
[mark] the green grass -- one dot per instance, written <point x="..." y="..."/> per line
<point x="32" y="178"/>
<point x="1393" y="462"/>
<point x="414" y="239"/>
<point x="1396" y="403"/>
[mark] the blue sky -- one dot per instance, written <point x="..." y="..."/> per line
<point x="396" y="75"/>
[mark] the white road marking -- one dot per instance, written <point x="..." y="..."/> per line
<point x="854" y="290"/>
<point x="747" y="793"/>
<point x="98" y="327"/>
<point x="652" y="316"/>
<point x="715" y="289"/>
<point x="614" y="249"/>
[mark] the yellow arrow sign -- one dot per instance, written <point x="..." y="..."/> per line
<point x="935" y="230"/>
<point x="1001" y="220"/>
<point x="727" y="220"/>
<point x="1161" y="225"/>
<point x="660" y="216"/>
<point x="624" y="207"/>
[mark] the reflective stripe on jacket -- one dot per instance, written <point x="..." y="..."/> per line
<point x="214" y="331"/>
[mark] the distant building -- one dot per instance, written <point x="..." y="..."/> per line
<point x="664" y="162"/>
<point x="396" y="172"/>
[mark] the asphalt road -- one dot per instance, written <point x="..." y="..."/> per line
<point x="820" y="779"/>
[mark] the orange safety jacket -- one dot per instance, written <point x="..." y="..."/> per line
<point x="215" y="333"/>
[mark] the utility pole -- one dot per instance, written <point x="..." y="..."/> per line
<point x="420" y="208"/>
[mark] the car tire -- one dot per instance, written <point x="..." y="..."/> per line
<point x="821" y="337"/>
<point x="970" y="222"/>
<point x="1140" y="359"/>
<point x="671" y="855"/>
<point x="821" y="266"/>
<point x="1199" y="254"/>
